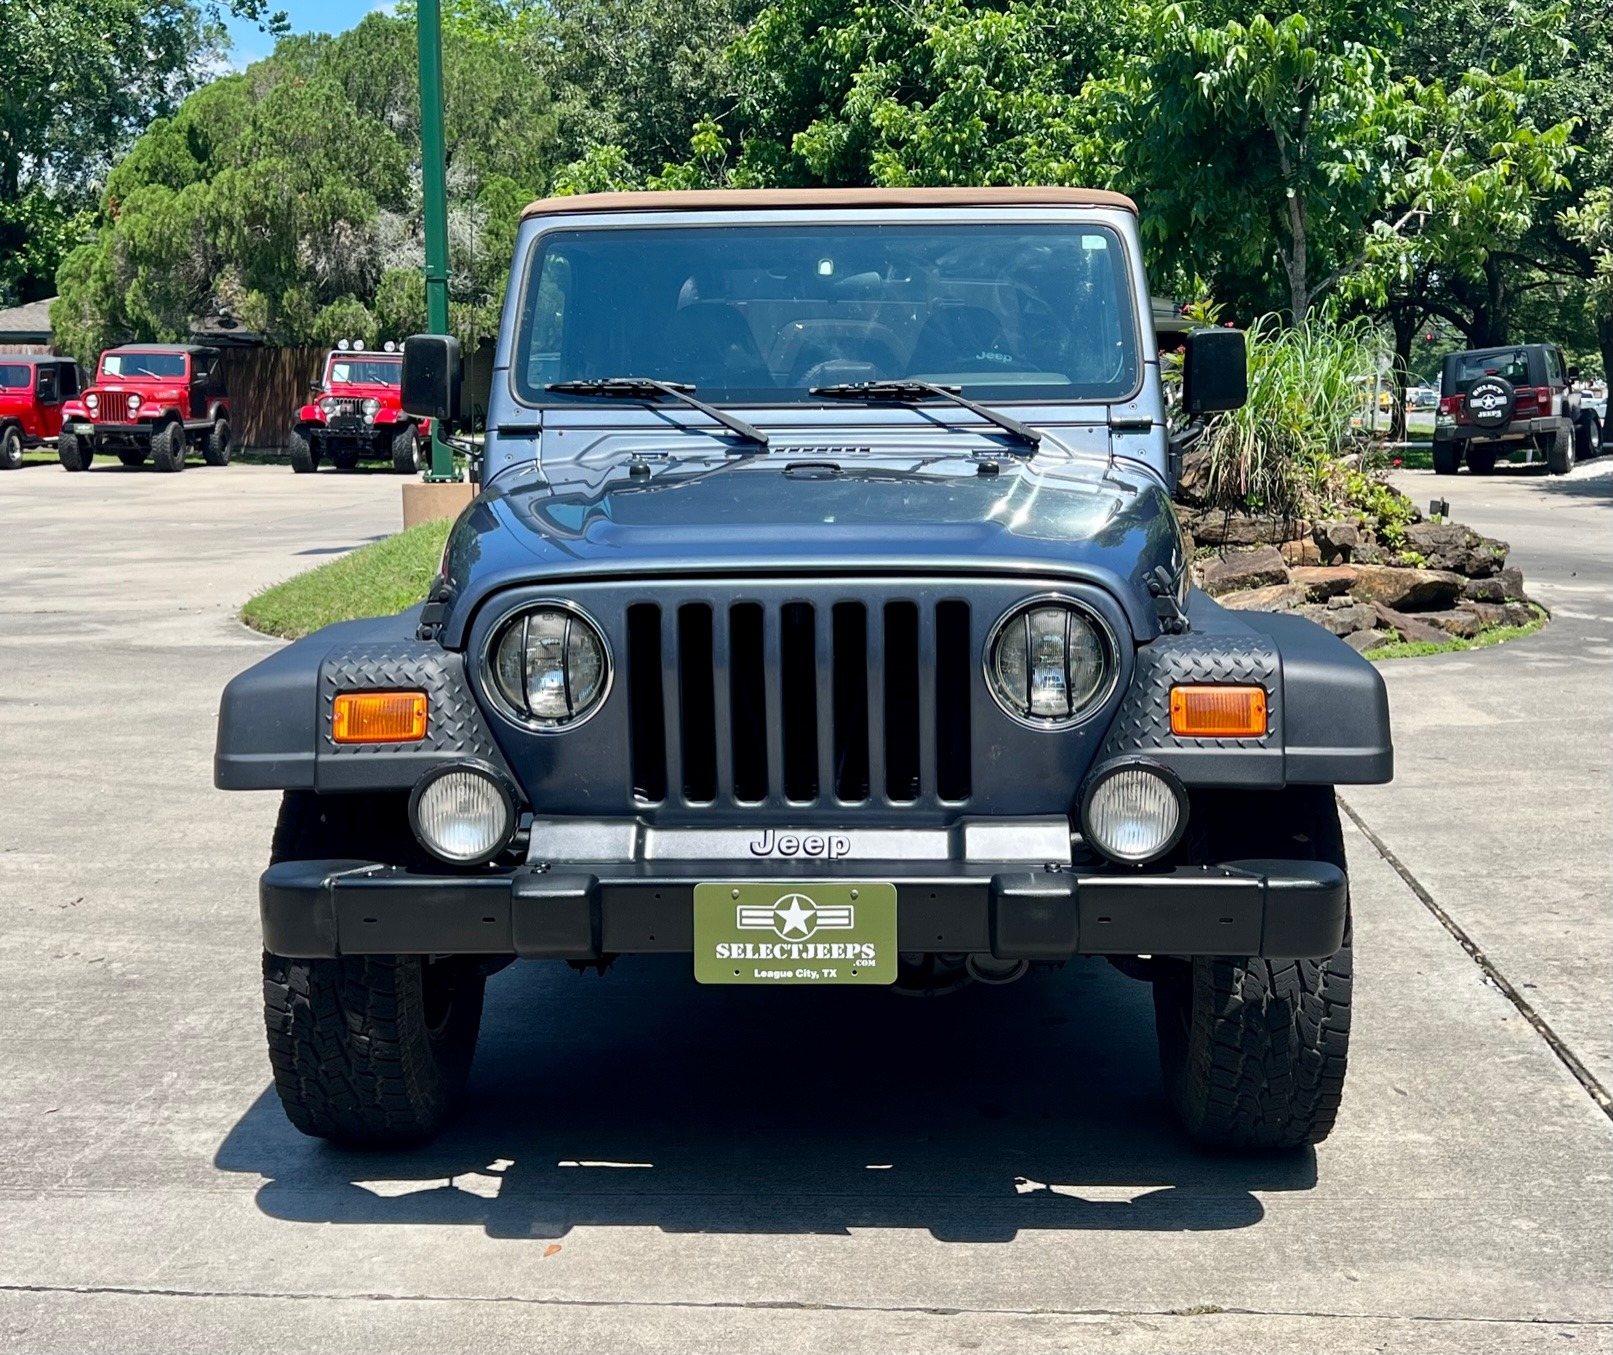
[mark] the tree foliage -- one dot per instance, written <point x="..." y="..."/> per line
<point x="287" y="197"/>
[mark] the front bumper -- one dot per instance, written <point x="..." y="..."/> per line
<point x="1278" y="909"/>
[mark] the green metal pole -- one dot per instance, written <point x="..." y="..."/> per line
<point x="434" y="191"/>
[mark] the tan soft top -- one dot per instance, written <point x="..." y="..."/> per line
<point x="761" y="199"/>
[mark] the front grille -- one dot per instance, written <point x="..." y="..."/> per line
<point x="800" y="702"/>
<point x="114" y="407"/>
<point x="344" y="409"/>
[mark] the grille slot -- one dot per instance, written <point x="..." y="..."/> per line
<point x="114" y="407"/>
<point x="819" y="702"/>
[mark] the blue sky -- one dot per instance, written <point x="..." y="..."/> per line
<point x="307" y="16"/>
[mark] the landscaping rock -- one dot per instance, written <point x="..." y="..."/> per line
<point x="1276" y="597"/>
<point x="1340" y="620"/>
<point x="1459" y="622"/>
<point x="1512" y="583"/>
<point x="1247" y="569"/>
<point x="1194" y="482"/>
<point x="1408" y="628"/>
<point x="1451" y="546"/>
<point x="1343" y="601"/>
<point x="1336" y="541"/>
<point x="1216" y="527"/>
<point x="1305" y="552"/>
<point x="1363" y="640"/>
<point x="1419" y="590"/>
<point x="1484" y="590"/>
<point x="1323" y="581"/>
<point x="1501" y="613"/>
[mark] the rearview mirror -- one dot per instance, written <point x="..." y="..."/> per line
<point x="1215" y="371"/>
<point x="432" y="372"/>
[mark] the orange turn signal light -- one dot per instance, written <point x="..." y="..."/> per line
<point x="1218" y="712"/>
<point x="379" y="717"/>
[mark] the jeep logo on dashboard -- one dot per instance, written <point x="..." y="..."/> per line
<point x="825" y="845"/>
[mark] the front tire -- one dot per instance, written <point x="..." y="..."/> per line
<point x="1587" y="437"/>
<point x="300" y="448"/>
<point x="368" y="1051"/>
<point x="406" y="450"/>
<point x="75" y="453"/>
<point x="1253" y="1051"/>
<point x="10" y="447"/>
<point x="1447" y="458"/>
<point x="168" y="447"/>
<point x="216" y="450"/>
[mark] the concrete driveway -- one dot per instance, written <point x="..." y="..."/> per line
<point x="987" y="1172"/>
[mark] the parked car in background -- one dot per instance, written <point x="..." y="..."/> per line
<point x="1494" y="401"/>
<point x="150" y="400"/>
<point x="33" y="391"/>
<point x="1422" y="398"/>
<point x="356" y="414"/>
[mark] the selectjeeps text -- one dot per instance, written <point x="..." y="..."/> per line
<point x="823" y="616"/>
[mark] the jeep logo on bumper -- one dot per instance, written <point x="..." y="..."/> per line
<point x="828" y="846"/>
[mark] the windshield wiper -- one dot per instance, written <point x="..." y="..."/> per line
<point x="910" y="392"/>
<point x="647" y="388"/>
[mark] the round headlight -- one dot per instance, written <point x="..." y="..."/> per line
<point x="371" y="406"/>
<point x="1050" y="663"/>
<point x="134" y="402"/>
<point x="462" y="814"/>
<point x="92" y="402"/>
<point x="548" y="667"/>
<point x="1134" y="811"/>
<point x="327" y="407"/>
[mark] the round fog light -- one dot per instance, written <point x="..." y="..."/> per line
<point x="1134" y="811"/>
<point x="462" y="814"/>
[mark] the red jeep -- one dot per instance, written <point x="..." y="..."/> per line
<point x="356" y="413"/>
<point x="32" y="392"/>
<point x="150" y="399"/>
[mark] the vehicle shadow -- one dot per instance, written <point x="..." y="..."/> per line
<point x="644" y="1099"/>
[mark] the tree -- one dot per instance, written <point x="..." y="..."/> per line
<point x="287" y="197"/>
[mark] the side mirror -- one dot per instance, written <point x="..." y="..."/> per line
<point x="314" y="387"/>
<point x="432" y="372"/>
<point x="1215" y="371"/>
<point x="1573" y="375"/>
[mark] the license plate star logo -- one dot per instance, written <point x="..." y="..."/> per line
<point x="795" y="917"/>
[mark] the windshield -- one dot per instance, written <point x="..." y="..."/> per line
<point x="143" y="364"/>
<point x="365" y="372"/>
<point x="761" y="314"/>
<point x="16" y="376"/>
<point x="1463" y="369"/>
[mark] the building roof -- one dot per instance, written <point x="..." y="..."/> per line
<point x="28" y="323"/>
<point x="760" y="199"/>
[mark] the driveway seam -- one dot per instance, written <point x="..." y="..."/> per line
<point x="788" y="1305"/>
<point x="1566" y="1056"/>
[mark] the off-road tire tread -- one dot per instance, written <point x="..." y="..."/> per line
<point x="216" y="447"/>
<point x="300" y="448"/>
<point x="1267" y="1041"/>
<point x="1560" y="452"/>
<point x="1587" y="437"/>
<point x="74" y="452"/>
<point x="406" y="450"/>
<point x="10" y="447"/>
<point x="352" y="1057"/>
<point x="168" y="447"/>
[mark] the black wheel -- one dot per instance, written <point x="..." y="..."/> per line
<point x="368" y="1051"/>
<point x="1253" y="1051"/>
<point x="406" y="450"/>
<point x="133" y="457"/>
<point x="10" y="447"/>
<point x="1587" y="436"/>
<point x="74" y="452"/>
<point x="1481" y="460"/>
<point x="347" y="458"/>
<point x="1447" y="457"/>
<point x="1560" y="452"/>
<point x="168" y="447"/>
<point x="304" y="455"/>
<point x="216" y="450"/>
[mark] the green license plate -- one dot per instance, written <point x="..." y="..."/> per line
<point x="795" y="933"/>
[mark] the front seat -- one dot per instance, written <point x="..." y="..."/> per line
<point x="957" y="339"/>
<point x="710" y="343"/>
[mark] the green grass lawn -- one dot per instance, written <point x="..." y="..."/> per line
<point x="374" y="580"/>
<point x="1496" y="635"/>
